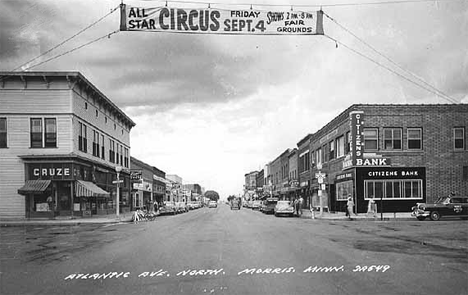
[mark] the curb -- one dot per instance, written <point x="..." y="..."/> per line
<point x="58" y="223"/>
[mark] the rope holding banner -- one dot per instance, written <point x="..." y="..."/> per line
<point x="291" y="8"/>
<point x="250" y="6"/>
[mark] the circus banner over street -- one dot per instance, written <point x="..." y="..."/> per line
<point x="221" y="21"/>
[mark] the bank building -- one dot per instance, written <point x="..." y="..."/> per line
<point x="64" y="147"/>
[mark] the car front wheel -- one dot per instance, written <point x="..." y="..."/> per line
<point x="435" y="215"/>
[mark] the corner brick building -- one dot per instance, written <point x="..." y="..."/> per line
<point x="397" y="154"/>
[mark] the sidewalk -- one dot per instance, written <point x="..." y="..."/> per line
<point x="68" y="220"/>
<point x="359" y="217"/>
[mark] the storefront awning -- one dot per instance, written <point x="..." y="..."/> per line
<point x="37" y="186"/>
<point x="89" y="189"/>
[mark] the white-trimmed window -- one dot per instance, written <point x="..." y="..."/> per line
<point x="371" y="139"/>
<point x="459" y="138"/>
<point x="393" y="189"/>
<point x="343" y="189"/>
<point x="340" y="146"/>
<point x="3" y="133"/>
<point x="414" y="138"/>
<point x="43" y="136"/>
<point x="318" y="155"/>
<point x="392" y="138"/>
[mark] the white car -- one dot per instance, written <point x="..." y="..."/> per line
<point x="212" y="204"/>
<point x="284" y="208"/>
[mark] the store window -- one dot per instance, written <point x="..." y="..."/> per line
<point x="3" y="133"/>
<point x="459" y="138"/>
<point x="340" y="146"/>
<point x="414" y="138"/>
<point x="371" y="138"/>
<point x="392" y="138"/>
<point x="393" y="189"/>
<point x="343" y="189"/>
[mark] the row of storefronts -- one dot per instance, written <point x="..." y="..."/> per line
<point x="397" y="155"/>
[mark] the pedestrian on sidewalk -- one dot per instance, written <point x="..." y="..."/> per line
<point x="296" y="207"/>
<point x="155" y="207"/>
<point x="299" y="206"/>
<point x="350" y="206"/>
<point x="372" y="207"/>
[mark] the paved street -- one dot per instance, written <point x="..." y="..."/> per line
<point x="219" y="251"/>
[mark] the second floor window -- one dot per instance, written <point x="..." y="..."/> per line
<point x="459" y="138"/>
<point x="414" y="138"/>
<point x="83" y="138"/>
<point x="392" y="138"/>
<point x="371" y="139"/>
<point x="340" y="147"/>
<point x="3" y="133"/>
<point x="111" y="151"/>
<point x="102" y="148"/>
<point x="319" y="156"/>
<point x="36" y="133"/>
<point x="96" y="146"/>
<point x="126" y="158"/>
<point x="43" y="137"/>
<point x="331" y="148"/>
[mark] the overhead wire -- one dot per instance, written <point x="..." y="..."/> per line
<point x="76" y="48"/>
<point x="385" y="67"/>
<point x="66" y="40"/>
<point x="440" y="93"/>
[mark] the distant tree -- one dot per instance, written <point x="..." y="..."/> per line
<point x="212" y="195"/>
<point x="230" y="198"/>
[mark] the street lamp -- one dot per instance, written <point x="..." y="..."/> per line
<point x="118" y="169"/>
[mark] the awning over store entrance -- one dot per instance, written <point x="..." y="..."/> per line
<point x="89" y="189"/>
<point x="37" y="186"/>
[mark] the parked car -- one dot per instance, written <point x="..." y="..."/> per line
<point x="449" y="206"/>
<point x="256" y="205"/>
<point x="268" y="206"/>
<point x="284" y="208"/>
<point x="212" y="204"/>
<point x="168" y="208"/>
<point x="181" y="207"/>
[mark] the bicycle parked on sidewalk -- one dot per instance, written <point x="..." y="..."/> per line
<point x="140" y="215"/>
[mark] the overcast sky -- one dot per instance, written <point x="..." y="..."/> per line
<point x="211" y="108"/>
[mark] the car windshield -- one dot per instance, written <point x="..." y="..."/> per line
<point x="443" y="200"/>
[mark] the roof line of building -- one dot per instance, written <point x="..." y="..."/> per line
<point x="66" y="74"/>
